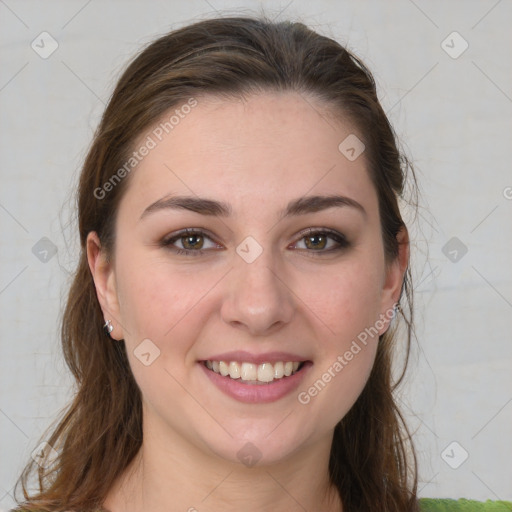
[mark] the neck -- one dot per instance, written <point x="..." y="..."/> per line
<point x="170" y="474"/>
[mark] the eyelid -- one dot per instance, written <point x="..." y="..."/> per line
<point x="173" y="237"/>
<point x="314" y="231"/>
<point x="339" y="238"/>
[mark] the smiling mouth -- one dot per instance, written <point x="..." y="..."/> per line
<point x="250" y="373"/>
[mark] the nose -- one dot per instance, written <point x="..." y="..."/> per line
<point x="257" y="298"/>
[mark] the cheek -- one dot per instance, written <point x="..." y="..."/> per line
<point x="161" y="306"/>
<point x="347" y="302"/>
<point x="345" y="298"/>
<point x="154" y="297"/>
<point x="342" y="370"/>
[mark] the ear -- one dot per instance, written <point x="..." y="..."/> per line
<point x="104" y="280"/>
<point x="395" y="274"/>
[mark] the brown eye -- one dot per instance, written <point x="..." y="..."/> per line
<point x="318" y="241"/>
<point x="192" y="241"/>
<point x="322" y="241"/>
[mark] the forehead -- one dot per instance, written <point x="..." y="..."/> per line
<point x="261" y="146"/>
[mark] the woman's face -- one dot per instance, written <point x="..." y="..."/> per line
<point x="272" y="271"/>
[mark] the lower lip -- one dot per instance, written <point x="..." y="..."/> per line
<point x="254" y="393"/>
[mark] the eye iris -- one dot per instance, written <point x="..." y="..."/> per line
<point x="191" y="242"/>
<point x="314" y="240"/>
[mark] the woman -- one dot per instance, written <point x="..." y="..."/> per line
<point x="243" y="250"/>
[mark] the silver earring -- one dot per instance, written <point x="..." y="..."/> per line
<point x="108" y="327"/>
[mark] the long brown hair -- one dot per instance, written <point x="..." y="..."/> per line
<point x="372" y="461"/>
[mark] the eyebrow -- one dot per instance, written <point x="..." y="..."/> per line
<point x="204" y="206"/>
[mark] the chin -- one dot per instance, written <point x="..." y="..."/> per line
<point x="256" y="450"/>
<point x="252" y="454"/>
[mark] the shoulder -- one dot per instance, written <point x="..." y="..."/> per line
<point x="463" y="505"/>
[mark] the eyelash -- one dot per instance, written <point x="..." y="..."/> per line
<point x="339" y="238"/>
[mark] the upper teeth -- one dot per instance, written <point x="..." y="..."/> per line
<point x="265" y="372"/>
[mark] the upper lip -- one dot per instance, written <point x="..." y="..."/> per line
<point x="247" y="357"/>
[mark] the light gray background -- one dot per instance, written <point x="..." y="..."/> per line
<point x="454" y="117"/>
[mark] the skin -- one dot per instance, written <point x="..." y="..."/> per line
<point x="257" y="154"/>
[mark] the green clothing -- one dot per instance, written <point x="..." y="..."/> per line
<point x="462" y="505"/>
